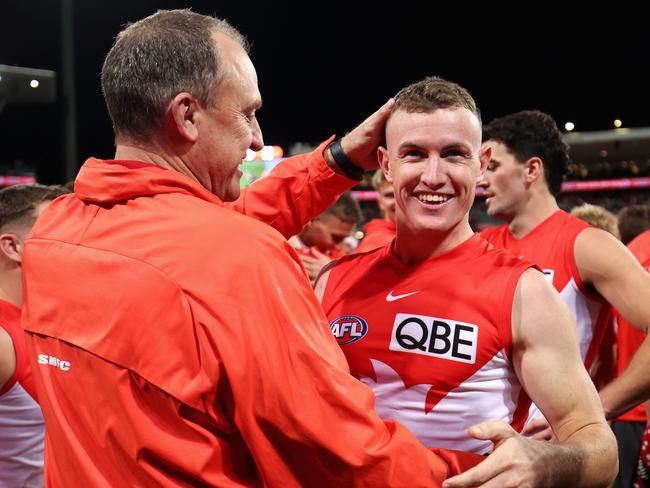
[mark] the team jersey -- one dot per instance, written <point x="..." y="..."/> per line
<point x="629" y="338"/>
<point x="432" y="340"/>
<point x="21" y="422"/>
<point x="379" y="232"/>
<point x="550" y="246"/>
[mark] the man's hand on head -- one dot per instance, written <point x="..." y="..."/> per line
<point x="360" y="144"/>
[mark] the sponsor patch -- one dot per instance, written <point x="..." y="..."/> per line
<point x="348" y="329"/>
<point x="435" y="336"/>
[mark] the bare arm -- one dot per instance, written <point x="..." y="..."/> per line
<point x="631" y="388"/>
<point x="547" y="361"/>
<point x="614" y="271"/>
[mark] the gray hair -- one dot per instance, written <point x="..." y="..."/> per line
<point x="156" y="58"/>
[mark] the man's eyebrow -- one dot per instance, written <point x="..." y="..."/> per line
<point x="457" y="145"/>
<point x="408" y="144"/>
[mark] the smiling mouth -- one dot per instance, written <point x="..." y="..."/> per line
<point x="432" y="199"/>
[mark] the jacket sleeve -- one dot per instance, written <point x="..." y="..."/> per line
<point x="305" y="419"/>
<point x="296" y="191"/>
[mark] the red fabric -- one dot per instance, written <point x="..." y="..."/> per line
<point x="603" y="367"/>
<point x="550" y="245"/>
<point x="196" y="352"/>
<point x="369" y="298"/>
<point x="334" y="252"/>
<point x="378" y="233"/>
<point x="10" y="321"/>
<point x="629" y="338"/>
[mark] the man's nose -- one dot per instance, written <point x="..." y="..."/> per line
<point x="257" y="144"/>
<point x="432" y="175"/>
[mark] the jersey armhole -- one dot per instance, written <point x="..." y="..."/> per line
<point x="570" y="256"/>
<point x="505" y="327"/>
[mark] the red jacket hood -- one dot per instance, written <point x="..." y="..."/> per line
<point x="101" y="181"/>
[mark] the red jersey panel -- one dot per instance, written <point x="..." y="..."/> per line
<point x="628" y="337"/>
<point x="550" y="246"/>
<point x="432" y="340"/>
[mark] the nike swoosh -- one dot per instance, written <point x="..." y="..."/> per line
<point x="391" y="298"/>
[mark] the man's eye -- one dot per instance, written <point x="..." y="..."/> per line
<point x="455" y="154"/>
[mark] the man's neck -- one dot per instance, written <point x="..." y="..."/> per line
<point x="153" y="153"/>
<point x="11" y="289"/>
<point x="535" y="211"/>
<point x="415" y="247"/>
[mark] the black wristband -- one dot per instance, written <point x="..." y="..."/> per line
<point x="350" y="169"/>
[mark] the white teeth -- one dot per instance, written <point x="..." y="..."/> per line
<point x="430" y="198"/>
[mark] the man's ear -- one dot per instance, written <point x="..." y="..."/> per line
<point x="11" y="247"/>
<point x="534" y="169"/>
<point x="182" y="117"/>
<point x="382" y="157"/>
<point x="485" y="155"/>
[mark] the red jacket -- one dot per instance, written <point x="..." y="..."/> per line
<point x="180" y="344"/>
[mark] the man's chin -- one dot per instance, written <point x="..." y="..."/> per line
<point x="232" y="196"/>
<point x="229" y="194"/>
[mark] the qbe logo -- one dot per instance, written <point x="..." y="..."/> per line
<point x="348" y="329"/>
<point x="434" y="336"/>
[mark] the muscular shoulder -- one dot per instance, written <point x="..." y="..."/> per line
<point x="536" y="303"/>
<point x="598" y="253"/>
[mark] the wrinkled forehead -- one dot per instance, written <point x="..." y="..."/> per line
<point x="235" y="61"/>
<point x="239" y="77"/>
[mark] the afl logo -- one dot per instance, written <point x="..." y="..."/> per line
<point x="348" y="329"/>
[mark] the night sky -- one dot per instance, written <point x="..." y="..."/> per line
<point x="324" y="66"/>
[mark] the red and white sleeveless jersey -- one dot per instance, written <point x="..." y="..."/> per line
<point x="432" y="340"/>
<point x="550" y="246"/>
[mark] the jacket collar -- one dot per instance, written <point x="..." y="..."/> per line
<point x="101" y="181"/>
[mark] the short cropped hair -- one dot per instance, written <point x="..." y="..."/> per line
<point x="156" y="58"/>
<point x="531" y="133"/>
<point x="632" y="221"/>
<point x="434" y="93"/>
<point x="18" y="202"/>
<point x="346" y="208"/>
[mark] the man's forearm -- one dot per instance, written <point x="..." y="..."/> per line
<point x="631" y="388"/>
<point x="588" y="458"/>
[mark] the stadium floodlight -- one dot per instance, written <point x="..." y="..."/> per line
<point x="26" y="85"/>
